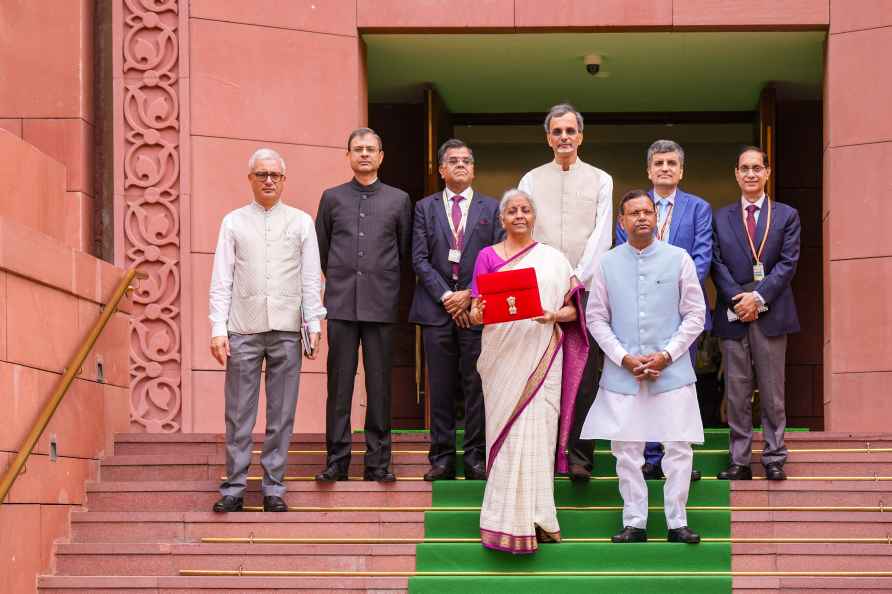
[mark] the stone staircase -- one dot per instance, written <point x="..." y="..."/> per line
<point x="146" y="527"/>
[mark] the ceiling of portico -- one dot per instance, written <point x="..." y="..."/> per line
<point x="511" y="73"/>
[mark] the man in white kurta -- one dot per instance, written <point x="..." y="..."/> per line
<point x="645" y="309"/>
<point x="575" y="216"/>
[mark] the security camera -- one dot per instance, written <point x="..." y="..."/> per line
<point x="592" y="63"/>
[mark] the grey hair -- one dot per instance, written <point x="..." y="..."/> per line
<point x="559" y="110"/>
<point x="265" y="153"/>
<point x="665" y="146"/>
<point x="510" y="195"/>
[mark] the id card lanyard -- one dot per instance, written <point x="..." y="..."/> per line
<point x="457" y="234"/>
<point x="667" y="222"/>
<point x="758" y="267"/>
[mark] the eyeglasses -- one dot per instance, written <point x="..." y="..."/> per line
<point x="558" y="132"/>
<point x="755" y="169"/>
<point x="454" y="161"/>
<point x="275" y="176"/>
<point x="358" y="150"/>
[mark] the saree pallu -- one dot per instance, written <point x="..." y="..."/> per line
<point x="530" y="374"/>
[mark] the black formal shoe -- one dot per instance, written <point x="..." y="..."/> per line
<point x="652" y="472"/>
<point x="736" y="473"/>
<point x="439" y="473"/>
<point x="274" y="503"/>
<point x="775" y="472"/>
<point x="475" y="473"/>
<point x="579" y="473"/>
<point x="630" y="534"/>
<point x="695" y="475"/>
<point x="331" y="474"/>
<point x="683" y="534"/>
<point x="228" y="503"/>
<point x="381" y="475"/>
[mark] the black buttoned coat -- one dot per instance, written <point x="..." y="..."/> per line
<point x="365" y="235"/>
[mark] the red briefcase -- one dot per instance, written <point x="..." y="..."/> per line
<point x="510" y="295"/>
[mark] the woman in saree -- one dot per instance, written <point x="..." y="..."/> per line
<point x="526" y="366"/>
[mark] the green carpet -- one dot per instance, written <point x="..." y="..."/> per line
<point x="591" y="562"/>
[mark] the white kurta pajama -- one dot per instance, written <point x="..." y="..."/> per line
<point x="671" y="417"/>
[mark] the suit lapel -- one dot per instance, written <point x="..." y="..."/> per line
<point x="473" y="217"/>
<point x="760" y="224"/>
<point x="440" y="218"/>
<point x="678" y="214"/>
<point x="736" y="223"/>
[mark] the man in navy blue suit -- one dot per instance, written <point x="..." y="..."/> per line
<point x="450" y="229"/>
<point x="755" y="254"/>
<point x="683" y="220"/>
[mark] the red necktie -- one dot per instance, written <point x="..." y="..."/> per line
<point x="751" y="221"/>
<point x="457" y="233"/>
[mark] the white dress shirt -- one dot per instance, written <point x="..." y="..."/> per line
<point x="744" y="203"/>
<point x="667" y="416"/>
<point x="467" y="194"/>
<point x="670" y="202"/>
<point x="271" y="256"/>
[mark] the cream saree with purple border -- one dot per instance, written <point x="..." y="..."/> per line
<point x="521" y="365"/>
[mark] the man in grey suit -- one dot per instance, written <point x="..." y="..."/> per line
<point x="365" y="232"/>
<point x="266" y="271"/>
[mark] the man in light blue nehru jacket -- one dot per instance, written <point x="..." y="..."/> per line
<point x="645" y="308"/>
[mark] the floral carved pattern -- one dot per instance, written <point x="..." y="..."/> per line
<point x="151" y="218"/>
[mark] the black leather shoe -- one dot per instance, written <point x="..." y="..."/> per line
<point x="331" y="474"/>
<point x="630" y="534"/>
<point x="775" y="472"/>
<point x="274" y="503"/>
<point x="579" y="473"/>
<point x="439" y="473"/>
<point x="228" y="503"/>
<point x="695" y="475"/>
<point x="736" y="473"/>
<point x="381" y="475"/>
<point x="475" y="473"/>
<point x="652" y="472"/>
<point x="683" y="534"/>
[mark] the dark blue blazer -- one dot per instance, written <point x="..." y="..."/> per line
<point x="732" y="267"/>
<point x="691" y="230"/>
<point x="431" y="240"/>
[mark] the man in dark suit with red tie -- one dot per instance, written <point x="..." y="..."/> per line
<point x="450" y="229"/>
<point x="755" y="254"/>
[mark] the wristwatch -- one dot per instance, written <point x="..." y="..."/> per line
<point x="668" y="356"/>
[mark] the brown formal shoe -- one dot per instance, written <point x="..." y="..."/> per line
<point x="439" y="473"/>
<point x="683" y="534"/>
<point x="629" y="534"/>
<point x="274" y="503"/>
<point x="579" y="473"/>
<point x="228" y="503"/>
<point x="775" y="472"/>
<point x="736" y="472"/>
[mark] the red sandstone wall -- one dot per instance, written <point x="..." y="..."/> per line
<point x="857" y="245"/>
<point x="50" y="287"/>
<point x="50" y="295"/>
<point x="46" y="98"/>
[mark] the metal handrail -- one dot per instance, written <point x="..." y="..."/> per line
<point x="71" y="371"/>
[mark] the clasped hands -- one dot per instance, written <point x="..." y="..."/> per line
<point x="457" y="304"/>
<point x="646" y="367"/>
<point x="746" y="306"/>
